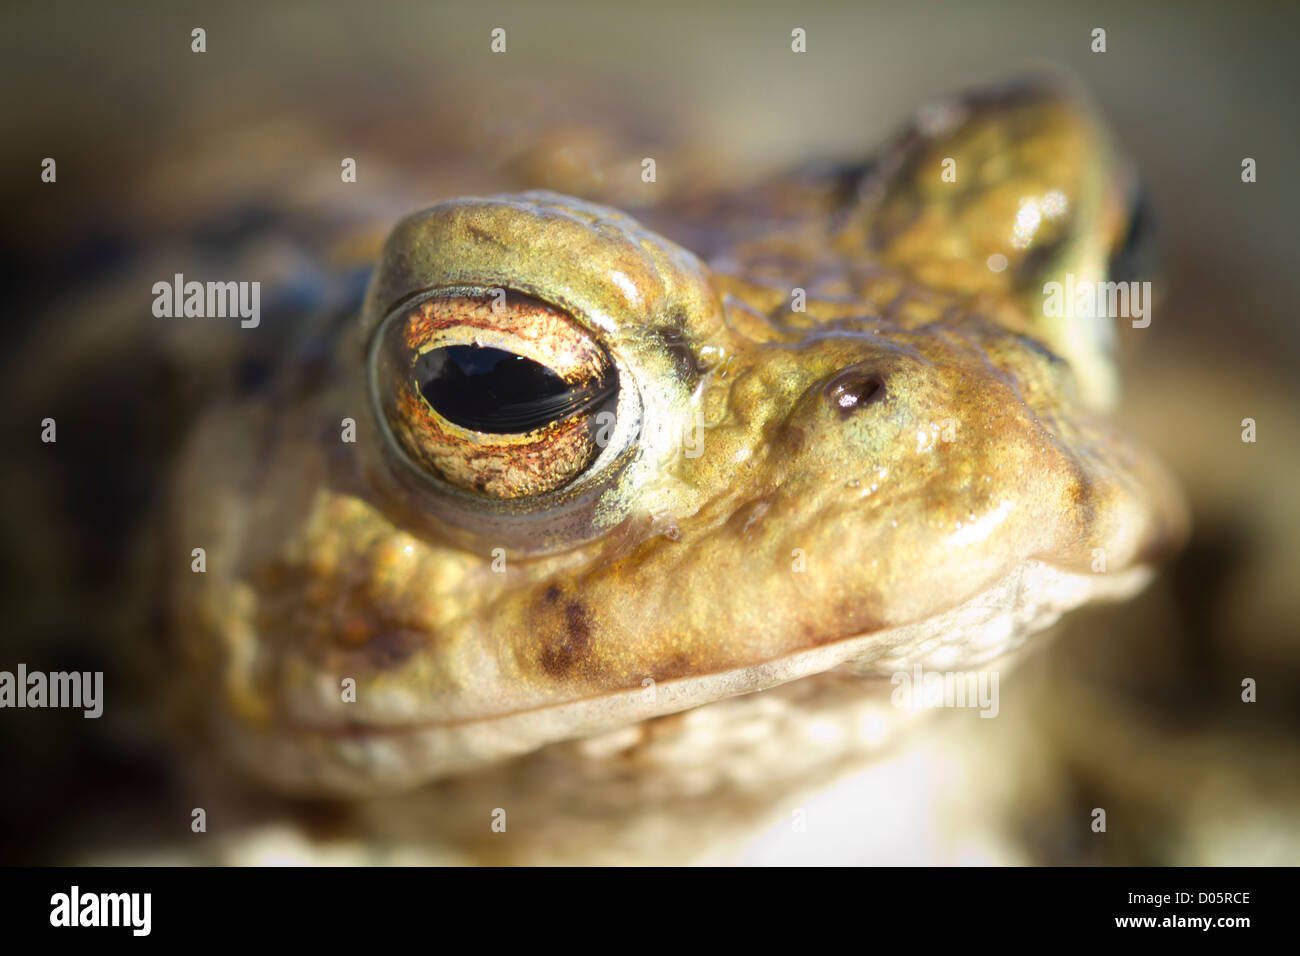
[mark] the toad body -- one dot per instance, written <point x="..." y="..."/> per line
<point x="568" y="471"/>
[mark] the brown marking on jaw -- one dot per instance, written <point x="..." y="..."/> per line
<point x="379" y="636"/>
<point x="562" y="657"/>
<point x="391" y="646"/>
<point x="680" y="665"/>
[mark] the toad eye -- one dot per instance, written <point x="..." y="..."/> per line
<point x="503" y="397"/>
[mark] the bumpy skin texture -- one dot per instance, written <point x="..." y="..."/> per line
<point x="915" y="466"/>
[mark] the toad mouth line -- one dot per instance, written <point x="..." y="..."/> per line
<point x="990" y="616"/>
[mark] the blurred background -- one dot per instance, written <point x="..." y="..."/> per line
<point x="228" y="162"/>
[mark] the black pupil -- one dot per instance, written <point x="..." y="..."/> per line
<point x="492" y="390"/>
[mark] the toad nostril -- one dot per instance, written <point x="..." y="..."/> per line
<point x="854" y="390"/>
